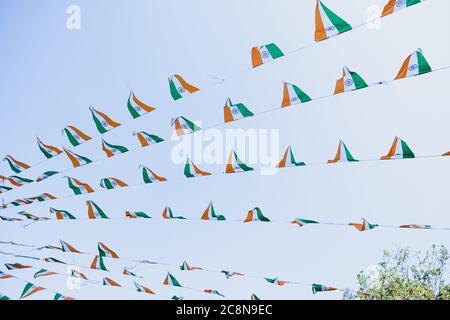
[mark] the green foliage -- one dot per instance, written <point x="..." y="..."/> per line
<point x="405" y="275"/>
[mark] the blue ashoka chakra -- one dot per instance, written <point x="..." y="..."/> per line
<point x="294" y="98"/>
<point x="348" y="82"/>
<point x="138" y="108"/>
<point x="413" y="67"/>
<point x="265" y="54"/>
<point x="330" y="28"/>
<point x="399" y="3"/>
<point x="77" y="137"/>
<point x="114" y="151"/>
<point x="185" y="126"/>
<point x="114" y="184"/>
<point x="235" y="110"/>
<point x="104" y="123"/>
<point x="181" y="90"/>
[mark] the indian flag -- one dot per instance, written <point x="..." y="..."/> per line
<point x="229" y="274"/>
<point x="350" y="81"/>
<point x="171" y="281"/>
<point x="14" y="266"/>
<point x="44" y="273"/>
<point x="78" y="274"/>
<point x="276" y="281"/>
<point x="5" y="276"/>
<point x="75" y="135"/>
<point x="102" y="121"/>
<point x="47" y="150"/>
<point x="254" y="297"/>
<point x="29" y="290"/>
<point x="321" y="288"/>
<point x="191" y="170"/>
<point x="65" y="247"/>
<point x="414" y="65"/>
<point x="149" y="176"/>
<point x="94" y="211"/>
<point x="76" y="159"/>
<point x="233" y="112"/>
<point x="4" y="189"/>
<point x="59" y="296"/>
<point x="179" y="87"/>
<point x="129" y="273"/>
<point x="30" y="216"/>
<point x="62" y="214"/>
<point x="98" y="263"/>
<point x="256" y="215"/>
<point x="303" y="222"/>
<point x="16" y="165"/>
<point x="186" y="267"/>
<point x="78" y="187"/>
<point x="136" y="107"/>
<point x="53" y="260"/>
<point x="265" y="54"/>
<point x="168" y="214"/>
<point x="9" y="219"/>
<point x="140" y="288"/>
<point x="415" y="226"/>
<point x="112" y="183"/>
<point x="184" y="126"/>
<point x="293" y="95"/>
<point x="46" y="175"/>
<point x="288" y="160"/>
<point x="109" y="282"/>
<point x="137" y="215"/>
<point x="395" y="5"/>
<point x="210" y="214"/>
<point x="43" y="197"/>
<point x="342" y="154"/>
<point x="398" y="150"/>
<point x="112" y="150"/>
<point x="104" y="251"/>
<point x="234" y="164"/>
<point x="328" y="24"/>
<point x="146" y="139"/>
<point x="364" y="225"/>
<point x="19" y="181"/>
<point x="212" y="291"/>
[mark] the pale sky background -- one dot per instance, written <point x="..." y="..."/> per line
<point x="49" y="76"/>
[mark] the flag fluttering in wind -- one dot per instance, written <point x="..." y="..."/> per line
<point x="293" y="95"/>
<point x="168" y="214"/>
<point x="14" y="266"/>
<point x="395" y="5"/>
<point x="276" y="281"/>
<point x="78" y="187"/>
<point x="288" y="160"/>
<point x="76" y="159"/>
<point x="399" y="150"/>
<point x="4" y="189"/>
<point x="342" y="154"/>
<point x="47" y="150"/>
<point x="170" y="280"/>
<point x="137" y="215"/>
<point x="146" y="139"/>
<point x="62" y="214"/>
<point x="328" y="24"/>
<point x="98" y="263"/>
<point x="233" y="112"/>
<point x="415" y="226"/>
<point x="29" y="290"/>
<point x="364" y="225"/>
<point x="229" y="274"/>
<point x="16" y="165"/>
<point x="46" y="175"/>
<point x="77" y="274"/>
<point x="59" y="296"/>
<point x="111" y="150"/>
<point x="104" y="251"/>
<point x="350" y="81"/>
<point x="414" y="65"/>
<point x="234" y="164"/>
<point x="141" y="288"/>
<point x="109" y="282"/>
<point x="65" y="247"/>
<point x="186" y="267"/>
<point x="102" y="121"/>
<point x="256" y="215"/>
<point x="149" y="176"/>
<point x="18" y="181"/>
<point x="136" y="107"/>
<point x="179" y="87"/>
<point x="192" y="171"/>
<point x="210" y="214"/>
<point x="75" y="135"/>
<point x="112" y="183"/>
<point x="30" y="216"/>
<point x="53" y="260"/>
<point x="184" y="126"/>
<point x="264" y="54"/>
<point x="303" y="222"/>
<point x="212" y="291"/>
<point x="5" y="276"/>
<point x="127" y="272"/>
<point x="94" y="211"/>
<point x="44" y="273"/>
<point x="43" y="197"/>
<point x="321" y="288"/>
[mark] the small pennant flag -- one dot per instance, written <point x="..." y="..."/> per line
<point x="234" y="164"/>
<point x="43" y="197"/>
<point x="211" y="291"/>
<point x="191" y="170"/>
<point x="416" y="226"/>
<point x="112" y="183"/>
<point x="254" y="297"/>
<point x="276" y="281"/>
<point x="171" y="281"/>
<point x="149" y="176"/>
<point x="342" y="154"/>
<point x="77" y="160"/>
<point x="112" y="150"/>
<point x="395" y="5"/>
<point x="186" y="267"/>
<point x="104" y="251"/>
<point x="59" y="296"/>
<point x="256" y="215"/>
<point x="109" y="282"/>
<point x="94" y="211"/>
<point x="78" y="274"/>
<point x="127" y="272"/>
<point x="136" y="215"/>
<point x="136" y="107"/>
<point x="53" y="260"/>
<point x="14" y="266"/>
<point x="140" y="288"/>
<point x="168" y="214"/>
<point x="30" y="216"/>
<point x="46" y="175"/>
<point x="293" y="95"/>
<point x="265" y="54"/>
<point x="5" y="276"/>
<point x="29" y="290"/>
<point x="364" y="225"/>
<point x="210" y="214"/>
<point x="9" y="219"/>
<point x="179" y="87"/>
<point x="47" y="150"/>
<point x="102" y="121"/>
<point x="328" y="24"/>
<point x="16" y="165"/>
<point x="303" y="222"/>
<point x="4" y="189"/>
<point x="350" y="81"/>
<point x="229" y="274"/>
<point x="65" y="247"/>
<point x="321" y="288"/>
<point x="44" y="273"/>
<point x="233" y="112"/>
<point x="75" y="135"/>
<point x="288" y="160"/>
<point x="18" y="181"/>
<point x="146" y="139"/>
<point x="184" y="126"/>
<point x="414" y="65"/>
<point x="78" y="187"/>
<point x="98" y="264"/>
<point x="398" y="150"/>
